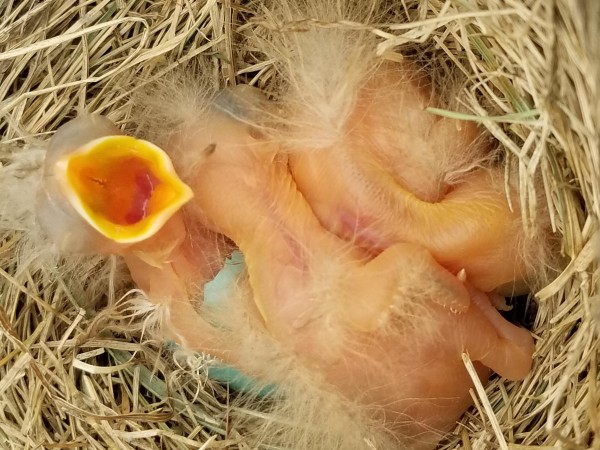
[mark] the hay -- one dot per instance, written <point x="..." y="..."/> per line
<point x="77" y="367"/>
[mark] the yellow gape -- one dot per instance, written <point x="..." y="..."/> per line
<point x="125" y="188"/>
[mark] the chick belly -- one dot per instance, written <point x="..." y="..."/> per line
<point x="299" y="271"/>
<point x="470" y="228"/>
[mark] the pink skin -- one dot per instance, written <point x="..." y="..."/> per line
<point x="172" y="266"/>
<point x="355" y="277"/>
<point x="386" y="183"/>
<point x="385" y="330"/>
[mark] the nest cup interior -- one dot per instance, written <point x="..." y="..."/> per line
<point x="82" y="348"/>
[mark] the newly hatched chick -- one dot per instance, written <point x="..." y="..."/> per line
<point x="105" y="192"/>
<point x="372" y="233"/>
<point x="397" y="173"/>
<point x="381" y="330"/>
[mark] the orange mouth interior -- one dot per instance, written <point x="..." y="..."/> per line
<point x="124" y="188"/>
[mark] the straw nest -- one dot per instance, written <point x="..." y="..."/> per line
<point x="77" y="366"/>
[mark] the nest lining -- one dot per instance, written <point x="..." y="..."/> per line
<point x="79" y="367"/>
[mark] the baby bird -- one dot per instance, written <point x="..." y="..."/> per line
<point x="392" y="177"/>
<point x="386" y="330"/>
<point x="375" y="236"/>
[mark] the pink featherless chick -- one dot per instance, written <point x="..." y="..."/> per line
<point x="384" y="329"/>
<point x="105" y="192"/>
<point x="374" y="235"/>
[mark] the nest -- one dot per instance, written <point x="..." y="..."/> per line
<point x="78" y="365"/>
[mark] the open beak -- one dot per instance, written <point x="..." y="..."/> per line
<point x="125" y="188"/>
